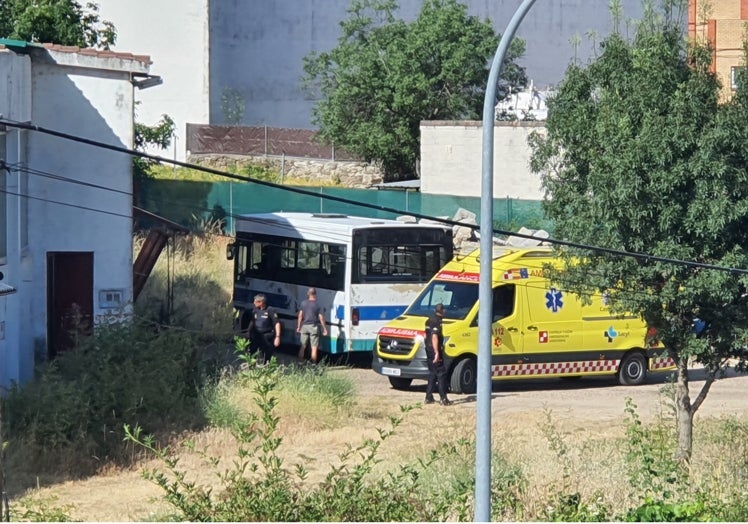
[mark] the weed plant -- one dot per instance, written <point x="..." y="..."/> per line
<point x="70" y="418"/>
<point x="191" y="285"/>
<point x="308" y="395"/>
<point x="260" y="172"/>
<point x="39" y="509"/>
<point x="259" y="487"/>
<point x="564" y="501"/>
<point x="661" y="489"/>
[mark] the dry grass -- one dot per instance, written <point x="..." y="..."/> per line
<point x="191" y="284"/>
<point x="594" y="463"/>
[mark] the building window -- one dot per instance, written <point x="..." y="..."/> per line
<point x="736" y="72"/>
<point x="111" y="298"/>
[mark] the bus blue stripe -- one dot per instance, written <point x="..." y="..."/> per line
<point x="277" y="300"/>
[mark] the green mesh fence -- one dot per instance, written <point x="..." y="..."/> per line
<point x="189" y="203"/>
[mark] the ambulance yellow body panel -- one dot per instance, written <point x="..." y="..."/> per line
<point x="538" y="329"/>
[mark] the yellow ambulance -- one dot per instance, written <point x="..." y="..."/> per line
<point x="538" y="329"/>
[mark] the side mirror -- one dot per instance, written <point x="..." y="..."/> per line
<point x="230" y="251"/>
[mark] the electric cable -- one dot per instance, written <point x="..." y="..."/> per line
<point x="610" y="251"/>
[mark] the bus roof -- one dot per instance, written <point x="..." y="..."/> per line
<point x="323" y="222"/>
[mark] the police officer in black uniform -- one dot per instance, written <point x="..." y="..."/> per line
<point x="264" y="328"/>
<point x="434" y="344"/>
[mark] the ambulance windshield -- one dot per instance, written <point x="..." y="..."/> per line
<point x="458" y="299"/>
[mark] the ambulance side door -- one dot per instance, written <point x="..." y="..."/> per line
<point x="553" y="327"/>
<point x="506" y="331"/>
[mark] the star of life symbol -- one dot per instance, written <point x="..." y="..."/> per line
<point x="554" y="300"/>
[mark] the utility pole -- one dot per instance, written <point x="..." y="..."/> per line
<point x="485" y="294"/>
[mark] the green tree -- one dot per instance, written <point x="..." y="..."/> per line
<point x="641" y="156"/>
<point x="64" y="22"/>
<point x="159" y="135"/>
<point x="386" y="75"/>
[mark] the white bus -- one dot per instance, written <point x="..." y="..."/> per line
<point x="366" y="270"/>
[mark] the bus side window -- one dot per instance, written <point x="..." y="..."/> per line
<point x="240" y="257"/>
<point x="337" y="268"/>
<point x="268" y="261"/>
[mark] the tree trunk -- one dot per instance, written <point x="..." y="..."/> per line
<point x="683" y="412"/>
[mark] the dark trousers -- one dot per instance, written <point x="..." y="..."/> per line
<point x="263" y="343"/>
<point x="437" y="375"/>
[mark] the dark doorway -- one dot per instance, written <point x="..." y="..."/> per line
<point x="69" y="300"/>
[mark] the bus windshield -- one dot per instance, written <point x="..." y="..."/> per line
<point x="458" y="299"/>
<point x="399" y="255"/>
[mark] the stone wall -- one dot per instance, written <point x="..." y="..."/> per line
<point x="313" y="172"/>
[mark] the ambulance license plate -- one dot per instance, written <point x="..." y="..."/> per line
<point x="392" y="372"/>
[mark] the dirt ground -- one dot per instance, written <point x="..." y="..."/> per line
<point x="589" y="408"/>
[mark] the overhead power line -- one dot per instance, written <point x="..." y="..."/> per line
<point x="617" y="252"/>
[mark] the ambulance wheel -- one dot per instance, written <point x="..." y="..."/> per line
<point x="400" y="383"/>
<point x="464" y="377"/>
<point x="633" y="369"/>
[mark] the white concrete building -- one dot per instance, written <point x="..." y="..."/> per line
<point x="452" y="159"/>
<point x="175" y="34"/>
<point x="66" y="244"/>
<point x="254" y="50"/>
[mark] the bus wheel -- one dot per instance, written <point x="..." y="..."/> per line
<point x="464" y="377"/>
<point x="633" y="369"/>
<point x="400" y="383"/>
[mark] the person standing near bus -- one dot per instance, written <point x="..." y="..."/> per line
<point x="264" y="328"/>
<point x="311" y="320"/>
<point x="434" y="344"/>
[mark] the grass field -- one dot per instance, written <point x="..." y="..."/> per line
<point x="546" y="466"/>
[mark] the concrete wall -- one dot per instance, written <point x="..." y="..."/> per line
<point x="16" y="353"/>
<point x="257" y="48"/>
<point x="175" y="34"/>
<point x="76" y="197"/>
<point x="452" y="161"/>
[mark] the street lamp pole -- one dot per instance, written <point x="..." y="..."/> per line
<point x="485" y="294"/>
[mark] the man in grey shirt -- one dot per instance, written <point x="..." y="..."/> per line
<point x="311" y="319"/>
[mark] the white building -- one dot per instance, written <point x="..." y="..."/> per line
<point x="66" y="237"/>
<point x="213" y="54"/>
<point x="175" y="34"/>
<point x="452" y="159"/>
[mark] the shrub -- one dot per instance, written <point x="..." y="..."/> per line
<point x="121" y="374"/>
<point x="259" y="486"/>
<point x="37" y="509"/>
